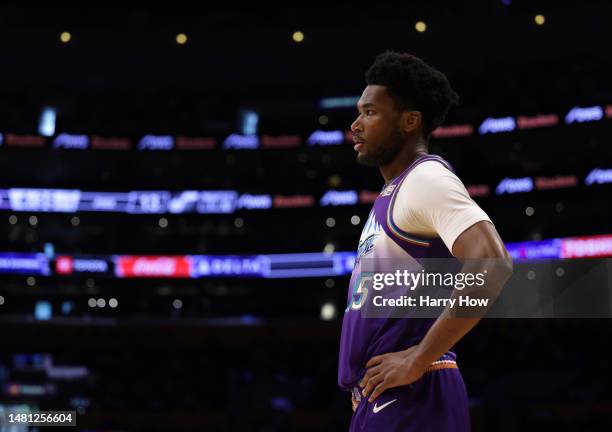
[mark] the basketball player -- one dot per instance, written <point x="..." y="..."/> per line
<point x="402" y="373"/>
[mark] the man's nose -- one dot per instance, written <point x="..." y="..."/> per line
<point x="356" y="125"/>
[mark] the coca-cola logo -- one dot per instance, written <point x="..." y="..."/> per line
<point x="154" y="266"/>
<point x="160" y="266"/>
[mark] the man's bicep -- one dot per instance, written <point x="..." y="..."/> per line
<point x="480" y="240"/>
<point x="451" y="209"/>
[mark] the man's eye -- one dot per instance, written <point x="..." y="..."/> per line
<point x="367" y="113"/>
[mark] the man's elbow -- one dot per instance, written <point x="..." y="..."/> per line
<point x="507" y="266"/>
<point x="495" y="253"/>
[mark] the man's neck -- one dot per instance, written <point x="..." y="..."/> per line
<point x="408" y="155"/>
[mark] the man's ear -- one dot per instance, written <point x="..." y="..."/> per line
<point x="411" y="121"/>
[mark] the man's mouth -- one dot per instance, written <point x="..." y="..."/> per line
<point x="359" y="142"/>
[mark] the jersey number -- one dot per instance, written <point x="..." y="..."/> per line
<point x="360" y="293"/>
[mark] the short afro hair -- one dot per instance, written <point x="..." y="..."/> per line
<point x="414" y="85"/>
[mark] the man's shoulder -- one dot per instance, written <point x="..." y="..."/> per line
<point x="430" y="169"/>
<point x="429" y="177"/>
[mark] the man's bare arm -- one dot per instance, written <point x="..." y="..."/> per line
<point x="478" y="244"/>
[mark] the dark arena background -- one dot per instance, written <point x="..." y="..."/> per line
<point x="180" y="204"/>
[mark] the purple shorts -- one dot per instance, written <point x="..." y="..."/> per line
<point x="437" y="402"/>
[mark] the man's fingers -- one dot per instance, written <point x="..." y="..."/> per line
<point x="378" y="391"/>
<point x="374" y="370"/>
<point x="365" y="379"/>
<point x="372" y="383"/>
<point x="375" y="360"/>
<point x="369" y="374"/>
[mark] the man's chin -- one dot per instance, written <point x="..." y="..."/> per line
<point x="363" y="159"/>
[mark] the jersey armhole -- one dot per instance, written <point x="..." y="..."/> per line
<point x="393" y="227"/>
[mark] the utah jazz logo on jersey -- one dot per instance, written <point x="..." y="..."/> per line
<point x="371" y="230"/>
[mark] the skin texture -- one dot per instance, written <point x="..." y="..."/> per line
<point x="391" y="140"/>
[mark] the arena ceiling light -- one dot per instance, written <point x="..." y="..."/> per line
<point x="298" y="36"/>
<point x="181" y="38"/>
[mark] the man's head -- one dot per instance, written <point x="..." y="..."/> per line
<point x="404" y="101"/>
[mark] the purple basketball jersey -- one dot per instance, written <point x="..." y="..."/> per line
<point x="363" y="338"/>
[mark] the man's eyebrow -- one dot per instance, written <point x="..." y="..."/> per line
<point x="365" y="105"/>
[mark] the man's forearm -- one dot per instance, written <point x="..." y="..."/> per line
<point x="442" y="335"/>
<point x="449" y="328"/>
